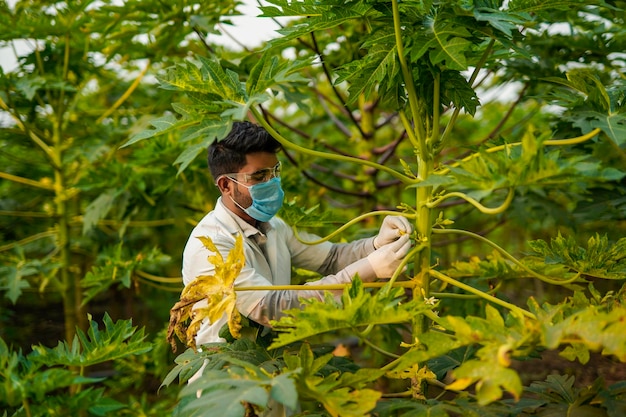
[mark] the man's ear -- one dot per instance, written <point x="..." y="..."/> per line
<point x="224" y="185"/>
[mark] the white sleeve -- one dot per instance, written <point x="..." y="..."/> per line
<point x="272" y="305"/>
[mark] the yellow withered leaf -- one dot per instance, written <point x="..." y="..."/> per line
<point x="217" y="290"/>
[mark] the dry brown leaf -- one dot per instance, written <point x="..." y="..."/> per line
<point x="218" y="290"/>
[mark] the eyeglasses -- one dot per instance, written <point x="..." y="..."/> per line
<point x="262" y="175"/>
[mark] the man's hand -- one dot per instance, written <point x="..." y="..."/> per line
<point x="385" y="260"/>
<point x="392" y="229"/>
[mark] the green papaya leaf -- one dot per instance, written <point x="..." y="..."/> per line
<point x="358" y="308"/>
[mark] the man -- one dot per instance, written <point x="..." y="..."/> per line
<point x="247" y="172"/>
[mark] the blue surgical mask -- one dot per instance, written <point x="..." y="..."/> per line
<point x="267" y="199"/>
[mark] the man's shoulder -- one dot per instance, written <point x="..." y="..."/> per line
<point x="216" y="219"/>
<point x="279" y="224"/>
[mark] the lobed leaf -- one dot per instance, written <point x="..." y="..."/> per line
<point x="216" y="291"/>
<point x="600" y="258"/>
<point x="358" y="308"/>
<point x="117" y="340"/>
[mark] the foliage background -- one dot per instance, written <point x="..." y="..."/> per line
<point x="89" y="227"/>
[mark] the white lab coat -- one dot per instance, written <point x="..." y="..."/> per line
<point x="269" y="263"/>
<point x="269" y="255"/>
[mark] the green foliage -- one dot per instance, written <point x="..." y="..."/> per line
<point x="404" y="65"/>
<point x="379" y="105"/>
<point x="583" y="327"/>
<point x="117" y="339"/>
<point x="341" y="394"/>
<point x="358" y="309"/>
<point x="560" y="396"/>
<point x="114" y="268"/>
<point x="232" y="392"/>
<point x="601" y="258"/>
<point x="38" y="384"/>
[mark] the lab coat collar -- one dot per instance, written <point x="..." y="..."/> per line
<point x="234" y="224"/>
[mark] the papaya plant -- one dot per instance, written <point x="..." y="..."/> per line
<point x="77" y="216"/>
<point x="384" y="97"/>
<point x="86" y="229"/>
<point x="54" y="381"/>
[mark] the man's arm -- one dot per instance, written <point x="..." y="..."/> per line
<point x="380" y="263"/>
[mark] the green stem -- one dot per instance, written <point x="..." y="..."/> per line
<point x="350" y="223"/>
<point x="323" y="287"/>
<point x="554" y="142"/>
<point x="412" y="253"/>
<point x="290" y="145"/>
<point x="36" y="139"/>
<point x="26" y="407"/>
<point x="409" y="129"/>
<point x="408" y="79"/>
<point x="464" y="296"/>
<point x="496" y="210"/>
<point x="481" y="294"/>
<point x="424" y="230"/>
<point x="436" y="102"/>
<point x="471" y="80"/>
<point x="363" y="337"/>
<point x="26" y="181"/>
<point x="124" y="96"/>
<point x="509" y="256"/>
<point x="29" y="239"/>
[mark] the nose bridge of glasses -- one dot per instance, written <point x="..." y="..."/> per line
<point x="264" y="174"/>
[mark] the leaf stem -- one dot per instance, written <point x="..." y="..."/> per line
<point x="329" y="287"/>
<point x="409" y="256"/>
<point x="290" y="145"/>
<point x="509" y="256"/>
<point x="436" y="103"/>
<point x="155" y="278"/>
<point x="124" y="96"/>
<point x="351" y="223"/>
<point x="555" y="142"/>
<point x="480" y="293"/>
<point x="363" y="337"/>
<point x="36" y="139"/>
<point x="496" y="210"/>
<point x="26" y="181"/>
<point x="42" y="235"/>
<point x="408" y="79"/>
<point x="409" y="129"/>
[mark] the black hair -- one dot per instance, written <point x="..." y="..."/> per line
<point x="229" y="154"/>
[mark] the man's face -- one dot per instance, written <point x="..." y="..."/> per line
<point x="256" y="163"/>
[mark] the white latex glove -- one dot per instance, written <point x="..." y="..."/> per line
<point x="391" y="230"/>
<point x="385" y="260"/>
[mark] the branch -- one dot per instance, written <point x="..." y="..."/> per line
<point x="360" y="194"/>
<point x="289" y="145"/>
<point x="40" y="142"/>
<point x="26" y="181"/>
<point x="480" y="207"/>
<point x="32" y="214"/>
<point x="509" y="257"/>
<point x="124" y="96"/>
<point x="155" y="278"/>
<point x="332" y="84"/>
<point x="556" y="142"/>
<point x="29" y="239"/>
<point x="408" y="80"/>
<point x="323" y="287"/>
<point x="409" y="256"/>
<point x="481" y="294"/>
<point x="363" y="337"/>
<point x="352" y="222"/>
